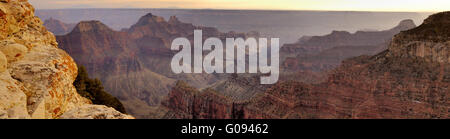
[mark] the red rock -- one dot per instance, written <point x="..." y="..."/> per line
<point x="392" y="84"/>
<point x="133" y="63"/>
<point x="321" y="53"/>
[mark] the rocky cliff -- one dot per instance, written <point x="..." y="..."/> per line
<point x="429" y="41"/>
<point x="314" y="44"/>
<point x="321" y="53"/>
<point x="36" y="77"/>
<point x="408" y="80"/>
<point x="186" y="102"/>
<point x="134" y="64"/>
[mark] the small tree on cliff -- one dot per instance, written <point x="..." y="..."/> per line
<point x="93" y="90"/>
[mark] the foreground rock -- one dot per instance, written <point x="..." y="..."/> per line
<point x="36" y="77"/>
<point x="94" y="112"/>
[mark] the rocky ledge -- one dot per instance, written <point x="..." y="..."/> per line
<point x="36" y="77"/>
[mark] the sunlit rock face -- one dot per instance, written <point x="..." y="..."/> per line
<point x="36" y="77"/>
<point x="430" y="40"/>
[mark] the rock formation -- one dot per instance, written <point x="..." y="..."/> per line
<point x="314" y="44"/>
<point x="429" y="41"/>
<point x="134" y="64"/>
<point x="186" y="102"/>
<point x="321" y="53"/>
<point x="36" y="77"/>
<point x="408" y="80"/>
<point x="240" y="87"/>
<point x="57" y="27"/>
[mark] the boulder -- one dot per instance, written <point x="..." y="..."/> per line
<point x="13" y="52"/>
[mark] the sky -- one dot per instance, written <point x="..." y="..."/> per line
<point x="327" y="5"/>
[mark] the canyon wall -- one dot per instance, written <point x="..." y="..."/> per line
<point x="408" y="80"/>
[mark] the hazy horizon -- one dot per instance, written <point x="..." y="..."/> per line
<point x="287" y="25"/>
<point x="279" y="5"/>
<point x="174" y="8"/>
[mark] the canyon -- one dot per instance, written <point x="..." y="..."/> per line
<point x="134" y="63"/>
<point x="408" y="80"/>
<point x="322" y="53"/>
<point x="395" y="73"/>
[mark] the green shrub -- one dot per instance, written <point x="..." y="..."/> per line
<point x="93" y="90"/>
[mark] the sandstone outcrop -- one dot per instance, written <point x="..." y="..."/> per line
<point x="430" y="40"/>
<point x="36" y="77"/>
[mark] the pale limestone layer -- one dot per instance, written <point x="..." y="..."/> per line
<point x="36" y="77"/>
<point x="432" y="51"/>
<point x="13" y="102"/>
<point x="46" y="75"/>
